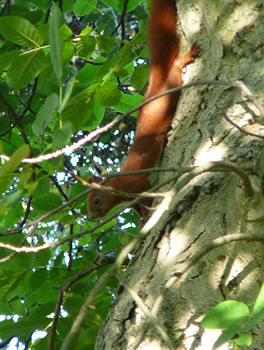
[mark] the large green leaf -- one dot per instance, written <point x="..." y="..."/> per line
<point x="244" y="340"/>
<point x="97" y="116"/>
<point x="79" y="109"/>
<point x="83" y="7"/>
<point x="105" y="43"/>
<point x="226" y="314"/>
<point x="19" y="31"/>
<point x="9" y="283"/>
<point x="140" y="76"/>
<point x="226" y="335"/>
<point x="55" y="40"/>
<point x="128" y="102"/>
<point x="86" y="47"/>
<point x="63" y="135"/>
<point x="45" y="113"/>
<point x="38" y="278"/>
<point x="46" y="202"/>
<point x="35" y="320"/>
<point x="25" y="68"/>
<point x="258" y="311"/>
<point x="108" y="94"/>
<point x="8" y="57"/>
<point x="124" y="56"/>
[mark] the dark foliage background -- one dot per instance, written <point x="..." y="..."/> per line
<point x="66" y="67"/>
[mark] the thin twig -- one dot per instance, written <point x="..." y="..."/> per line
<point x="55" y="320"/>
<point x="241" y="129"/>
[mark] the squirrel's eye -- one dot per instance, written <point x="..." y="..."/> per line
<point x="97" y="201"/>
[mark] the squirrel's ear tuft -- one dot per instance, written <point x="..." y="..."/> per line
<point x="94" y="178"/>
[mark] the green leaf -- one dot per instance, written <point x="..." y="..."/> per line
<point x="124" y="56"/>
<point x="227" y="335"/>
<point x="14" y="198"/>
<point x="97" y="117"/>
<point x="128" y="102"/>
<point x="258" y="311"/>
<point x="226" y="314"/>
<point x="56" y="42"/>
<point x="38" y="278"/>
<point x="42" y="4"/>
<point x="9" y="283"/>
<point x="12" y="215"/>
<point x="118" y="5"/>
<point x="105" y="43"/>
<point x="31" y="188"/>
<point x="46" y="202"/>
<point x="45" y="113"/>
<point x="63" y="135"/>
<point x="7" y="58"/>
<point x="65" y="32"/>
<point x="25" y="68"/>
<point x="67" y="5"/>
<point x="35" y="320"/>
<point x="68" y="51"/>
<point x="87" y="31"/>
<point x="259" y="304"/>
<point x="7" y="329"/>
<point x="112" y="3"/>
<point x="245" y="339"/>
<point x="86" y="47"/>
<point x="67" y="95"/>
<point x="20" y="31"/>
<point x="84" y="7"/>
<point x="140" y="77"/>
<point x="42" y="258"/>
<point x="79" y="108"/>
<point x="78" y="113"/>
<point x="108" y="94"/>
<point x="43" y="187"/>
<point x="4" y="124"/>
<point x="132" y="5"/>
<point x="6" y="171"/>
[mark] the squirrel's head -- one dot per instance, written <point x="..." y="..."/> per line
<point x="100" y="202"/>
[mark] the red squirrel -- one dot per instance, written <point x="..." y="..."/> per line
<point x="154" y="118"/>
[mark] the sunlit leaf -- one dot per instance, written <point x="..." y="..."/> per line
<point x="227" y="334"/>
<point x="108" y="94"/>
<point x="258" y="311"/>
<point x="25" y="68"/>
<point x="19" y="31"/>
<point x="226" y="314"/>
<point x="245" y="339"/>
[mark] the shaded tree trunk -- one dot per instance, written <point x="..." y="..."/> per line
<point x="211" y="205"/>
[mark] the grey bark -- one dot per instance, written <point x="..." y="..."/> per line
<point x="231" y="37"/>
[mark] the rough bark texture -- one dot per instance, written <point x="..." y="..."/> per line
<point x="231" y="37"/>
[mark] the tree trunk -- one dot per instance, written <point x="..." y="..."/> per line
<point x="209" y="206"/>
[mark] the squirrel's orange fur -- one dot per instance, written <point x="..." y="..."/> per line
<point x="154" y="118"/>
